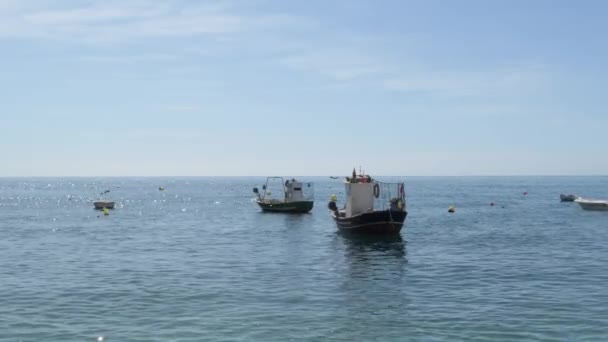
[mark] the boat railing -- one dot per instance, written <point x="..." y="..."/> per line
<point x="389" y="195"/>
<point x="273" y="189"/>
<point x="276" y="188"/>
<point x="308" y="191"/>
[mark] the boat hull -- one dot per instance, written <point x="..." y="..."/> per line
<point x="593" y="205"/>
<point x="567" y="198"/>
<point x="287" y="207"/>
<point x="100" y="205"/>
<point x="375" y="222"/>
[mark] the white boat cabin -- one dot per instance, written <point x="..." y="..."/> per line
<point x="295" y="191"/>
<point x="364" y="194"/>
<point x="359" y="198"/>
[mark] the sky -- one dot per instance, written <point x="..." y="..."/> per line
<point x="256" y="87"/>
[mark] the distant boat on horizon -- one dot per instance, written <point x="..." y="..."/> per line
<point x="101" y="204"/>
<point x="589" y="204"/>
<point x="567" y="198"/>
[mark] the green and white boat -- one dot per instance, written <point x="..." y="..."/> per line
<point x="292" y="196"/>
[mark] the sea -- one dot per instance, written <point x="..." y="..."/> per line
<point x="199" y="261"/>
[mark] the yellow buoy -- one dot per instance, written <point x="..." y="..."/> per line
<point x="334" y="198"/>
<point x="106" y="212"/>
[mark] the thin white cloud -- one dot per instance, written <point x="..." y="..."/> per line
<point x="182" y="108"/>
<point x="145" y="134"/>
<point x="341" y="58"/>
<point x="495" y="80"/>
<point x="147" y="57"/>
<point x="336" y="65"/>
<point x="116" y="22"/>
<point x="337" y="69"/>
<point x="79" y="16"/>
<point x="344" y="67"/>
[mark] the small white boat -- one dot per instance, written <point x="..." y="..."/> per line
<point x="567" y="198"/>
<point x="589" y="204"/>
<point x="100" y="205"/>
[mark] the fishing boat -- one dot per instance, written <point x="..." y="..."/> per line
<point x="294" y="196"/>
<point x="589" y="204"/>
<point x="567" y="198"/>
<point x="100" y="205"/>
<point x="371" y="206"/>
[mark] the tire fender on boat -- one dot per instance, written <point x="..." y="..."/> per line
<point x="376" y="190"/>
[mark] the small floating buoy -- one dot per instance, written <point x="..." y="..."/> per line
<point x="334" y="198"/>
<point x="452" y="209"/>
<point x="100" y="339"/>
<point x="106" y="212"/>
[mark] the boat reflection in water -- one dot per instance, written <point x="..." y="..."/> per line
<point x="364" y="247"/>
<point x="374" y="277"/>
<point x="374" y="273"/>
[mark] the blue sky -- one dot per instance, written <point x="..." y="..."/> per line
<point x="194" y="88"/>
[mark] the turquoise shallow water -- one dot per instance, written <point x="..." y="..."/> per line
<point x="200" y="262"/>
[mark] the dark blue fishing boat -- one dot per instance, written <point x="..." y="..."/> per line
<point x="371" y="206"/>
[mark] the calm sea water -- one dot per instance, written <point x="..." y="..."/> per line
<point x="200" y="262"/>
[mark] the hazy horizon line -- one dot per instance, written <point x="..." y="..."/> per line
<point x="318" y="176"/>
